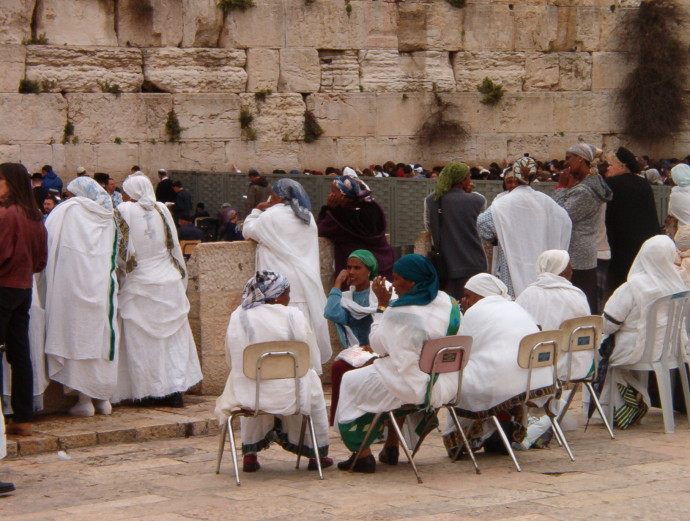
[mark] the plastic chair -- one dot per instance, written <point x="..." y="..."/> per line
<point x="442" y="355"/>
<point x="187" y="247"/>
<point x="672" y="354"/>
<point x="581" y="334"/>
<point x="272" y="361"/>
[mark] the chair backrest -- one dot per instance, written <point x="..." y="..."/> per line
<point x="677" y="309"/>
<point x="580" y="334"/>
<point x="539" y="350"/>
<point x="445" y="355"/>
<point x="187" y="247"/>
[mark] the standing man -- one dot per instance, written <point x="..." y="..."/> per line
<point x="164" y="189"/>
<point x="582" y="198"/>
<point x="51" y="179"/>
<point x="40" y="193"/>
<point x="112" y="192"/>
<point x="183" y="202"/>
<point x="257" y="192"/>
<point x="81" y="171"/>
<point x="451" y="216"/>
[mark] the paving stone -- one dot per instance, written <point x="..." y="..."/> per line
<point x="37" y="443"/>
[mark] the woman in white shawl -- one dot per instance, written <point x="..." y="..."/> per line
<point x="493" y="383"/>
<point x="264" y="316"/>
<point x="679" y="201"/>
<point x="652" y="275"/>
<point x="81" y="296"/>
<point x="288" y="242"/>
<point x="158" y="358"/>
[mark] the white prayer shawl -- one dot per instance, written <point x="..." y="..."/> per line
<point x="158" y="356"/>
<point x="81" y="297"/>
<point x="359" y="312"/>
<point x="551" y="300"/>
<point x="527" y="223"/>
<point x="492" y="375"/>
<point x="289" y="246"/>
<point x="3" y="439"/>
<point x="679" y="204"/>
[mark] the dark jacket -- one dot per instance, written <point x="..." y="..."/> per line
<point x="51" y="180"/>
<point x="257" y="192"/>
<point x="165" y="192"/>
<point x="183" y="205"/>
<point x="23" y="248"/>
<point x="190" y="232"/>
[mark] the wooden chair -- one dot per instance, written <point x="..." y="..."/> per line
<point x="187" y="247"/>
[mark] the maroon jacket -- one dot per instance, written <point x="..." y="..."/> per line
<point x="23" y="248"/>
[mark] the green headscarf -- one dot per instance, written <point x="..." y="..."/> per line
<point x="368" y="260"/>
<point x="451" y="175"/>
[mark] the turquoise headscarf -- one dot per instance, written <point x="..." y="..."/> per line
<point x="368" y="260"/>
<point x="419" y="270"/>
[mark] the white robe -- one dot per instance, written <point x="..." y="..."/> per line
<point x="528" y="223"/>
<point x="81" y="298"/>
<point x="550" y="301"/>
<point x="158" y="356"/>
<point x="266" y="323"/>
<point x="679" y="204"/>
<point x="289" y="246"/>
<point x="3" y="438"/>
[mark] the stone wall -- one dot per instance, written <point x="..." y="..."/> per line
<point x="370" y="77"/>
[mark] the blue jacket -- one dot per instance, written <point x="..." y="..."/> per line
<point x="51" y="180"/>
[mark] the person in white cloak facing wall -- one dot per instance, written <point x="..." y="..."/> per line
<point x="493" y="383"/>
<point x="523" y="223"/>
<point x="679" y="200"/>
<point x="158" y="358"/>
<point x="81" y="296"/>
<point x="288" y="243"/>
<point x="264" y="316"/>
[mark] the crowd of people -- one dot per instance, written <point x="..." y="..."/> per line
<point x="100" y="274"/>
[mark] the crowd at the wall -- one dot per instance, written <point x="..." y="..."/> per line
<point x="92" y="292"/>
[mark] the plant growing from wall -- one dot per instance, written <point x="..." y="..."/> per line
<point x="36" y="40"/>
<point x="348" y="8"/>
<point x="232" y="5"/>
<point x="246" y="119"/>
<point x="110" y="88"/>
<point x="655" y="103"/>
<point x="117" y="141"/>
<point x="261" y="95"/>
<point x="312" y="129"/>
<point x="172" y="126"/>
<point x="493" y="92"/>
<point x="29" y="86"/>
<point x="438" y="127"/>
<point x="457" y="3"/>
<point x="68" y="132"/>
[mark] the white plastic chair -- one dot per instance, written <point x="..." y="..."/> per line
<point x="272" y="361"/>
<point x="672" y="355"/>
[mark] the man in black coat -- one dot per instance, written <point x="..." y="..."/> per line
<point x="164" y="189"/>
<point x="183" y="202"/>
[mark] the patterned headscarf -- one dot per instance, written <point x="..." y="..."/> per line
<point x="451" y="175"/>
<point x="265" y="285"/>
<point x="140" y="189"/>
<point x="294" y="194"/>
<point x="367" y="258"/>
<point x="87" y="187"/>
<point x="353" y="188"/>
<point x="523" y="170"/>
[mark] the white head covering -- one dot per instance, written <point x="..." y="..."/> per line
<point x="487" y="285"/>
<point x="682" y="238"/>
<point x="583" y="150"/>
<point x="349" y="172"/>
<point x="139" y="188"/>
<point x="681" y="174"/>
<point x="553" y="261"/>
<point x="87" y="187"/>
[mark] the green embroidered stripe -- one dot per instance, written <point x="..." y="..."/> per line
<point x="633" y="408"/>
<point x="111" y="311"/>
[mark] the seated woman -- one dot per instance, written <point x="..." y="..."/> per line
<point x="652" y="275"/>
<point x="264" y="316"/>
<point x="352" y="311"/>
<point x="420" y="313"/>
<point x="493" y="383"/>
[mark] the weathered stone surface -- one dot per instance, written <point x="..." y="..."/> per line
<point x="34" y="156"/>
<point x="202" y="155"/>
<point x="380" y="71"/>
<point x="610" y="69"/>
<point x="116" y="435"/>
<point x="208" y="116"/>
<point x="34" y="118"/>
<point x="488" y="27"/>
<point x="264" y="25"/>
<point x="202" y="23"/>
<point x="506" y="68"/>
<point x="116" y="159"/>
<point x="279" y="118"/>
<point x="156" y="432"/>
<point x="196" y="70"/>
<point x="12" y="58"/>
<point x="263" y="69"/>
<point x="427" y="71"/>
<point x="341" y="114"/>
<point x="542" y="71"/>
<point x="426" y="26"/>
<point x="131" y="117"/>
<point x="396" y="116"/>
<point x="37" y="443"/>
<point x="339" y="71"/>
<point x="80" y="69"/>
<point x="300" y="70"/>
<point x="149" y="23"/>
<point x="575" y="70"/>
<point x="528" y="112"/>
<point x="585" y="112"/>
<point x="536" y="26"/>
<point x="15" y="21"/>
<point x="10" y="153"/>
<point x="75" y="439"/>
<point x="77" y="22"/>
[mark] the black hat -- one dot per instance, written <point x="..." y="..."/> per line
<point x="628" y="159"/>
<point x="36" y="175"/>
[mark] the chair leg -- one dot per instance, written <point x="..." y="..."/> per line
<point x="557" y="428"/>
<point x="663" y="380"/>
<point x="597" y="404"/>
<point x="301" y="440"/>
<point x="612" y="393"/>
<point x="506" y="443"/>
<point x="682" y="369"/>
<point x="315" y="444"/>
<point x="376" y="419"/>
<point x="453" y="415"/>
<point x="221" y="445"/>
<point x="234" y="451"/>
<point x="403" y="444"/>
<point x="563" y="412"/>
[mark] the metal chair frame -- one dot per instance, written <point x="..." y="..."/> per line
<point x="256" y="410"/>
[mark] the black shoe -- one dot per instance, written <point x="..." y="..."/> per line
<point x="250" y="463"/>
<point x="6" y="488"/>
<point x="366" y="465"/>
<point x="325" y="463"/>
<point x="389" y="455"/>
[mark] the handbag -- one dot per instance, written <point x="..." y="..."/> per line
<point x="435" y="256"/>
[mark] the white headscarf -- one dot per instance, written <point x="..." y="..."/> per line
<point x="681" y="174"/>
<point x="350" y="172"/>
<point x="87" y="187"/>
<point x="553" y="261"/>
<point x="140" y="189"/>
<point x="487" y="285"/>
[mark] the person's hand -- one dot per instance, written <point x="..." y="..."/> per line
<point x="335" y="199"/>
<point x="383" y="294"/>
<point x="470" y="188"/>
<point x="367" y="349"/>
<point x="341" y="280"/>
<point x="263" y="206"/>
<point x="564" y="178"/>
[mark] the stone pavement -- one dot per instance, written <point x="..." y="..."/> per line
<point x="642" y="475"/>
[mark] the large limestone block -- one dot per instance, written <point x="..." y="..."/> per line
<point x="208" y="116"/>
<point x="13" y="59"/>
<point x="491" y="147"/>
<point x="215" y="370"/>
<point x="300" y="70"/>
<point x="350" y="151"/>
<point x="610" y="69"/>
<point x="279" y="118"/>
<point x="150" y="23"/>
<point x="34" y="156"/>
<point x="117" y="160"/>
<point x="81" y="154"/>
<point x="339" y="71"/>
<point x="600" y="29"/>
<point x="263" y="69"/>
<point x="488" y="27"/>
<point x="84" y="69"/>
<point x="396" y="116"/>
<point x="196" y="70"/>
<point x="575" y="70"/>
<point x="202" y="155"/>
<point x="77" y="22"/>
<point x="158" y="154"/>
<point x="341" y="115"/>
<point x="317" y="155"/>
<point x="11" y="154"/>
<point x="202" y="23"/>
<point x="429" y="71"/>
<point x="476" y="117"/>
<point x="278" y="154"/>
<point x="542" y="71"/>
<point x="425" y="26"/>
<point x="380" y="71"/>
<point x="535" y="26"/>
<point x="15" y="20"/>
<point x="380" y="150"/>
<point x="32" y="118"/>
<point x="264" y="25"/>
<point x="586" y="112"/>
<point x="237" y="260"/>
<point x="526" y="112"/>
<point x="506" y="68"/>
<point x="131" y="117"/>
